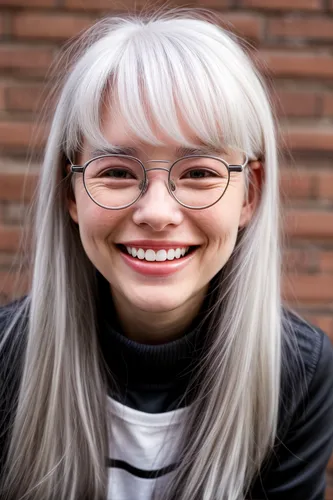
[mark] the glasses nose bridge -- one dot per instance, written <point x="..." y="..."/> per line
<point x="156" y="168"/>
<point x="157" y="161"/>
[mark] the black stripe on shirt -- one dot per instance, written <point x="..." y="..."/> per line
<point x="144" y="474"/>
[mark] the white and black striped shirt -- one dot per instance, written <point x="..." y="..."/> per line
<point x="143" y="450"/>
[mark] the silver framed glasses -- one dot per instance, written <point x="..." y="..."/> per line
<point x="117" y="181"/>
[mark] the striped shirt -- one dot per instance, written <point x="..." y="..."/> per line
<point x="143" y="450"/>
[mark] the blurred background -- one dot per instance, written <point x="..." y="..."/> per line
<point x="290" y="40"/>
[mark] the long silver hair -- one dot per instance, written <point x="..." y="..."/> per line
<point x="168" y="63"/>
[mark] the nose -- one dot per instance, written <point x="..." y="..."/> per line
<point x="156" y="207"/>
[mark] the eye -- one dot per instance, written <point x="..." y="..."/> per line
<point x="200" y="173"/>
<point x="117" y="173"/>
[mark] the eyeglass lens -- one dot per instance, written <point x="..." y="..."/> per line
<point x="116" y="181"/>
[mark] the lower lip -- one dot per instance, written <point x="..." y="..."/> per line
<point x="164" y="268"/>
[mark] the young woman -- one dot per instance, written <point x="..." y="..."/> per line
<point x="152" y="358"/>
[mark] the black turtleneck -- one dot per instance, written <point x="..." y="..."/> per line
<point x="149" y="378"/>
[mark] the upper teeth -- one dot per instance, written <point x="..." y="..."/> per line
<point x="159" y="256"/>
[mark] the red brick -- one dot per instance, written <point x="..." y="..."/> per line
<point x="25" y="98"/>
<point x="295" y="27"/>
<point x="309" y="224"/>
<point x="6" y="261"/>
<point x="34" y="60"/>
<point x="54" y="26"/>
<point x="308" y="288"/>
<point x="329" y="493"/>
<point x="296" y="103"/>
<point x="10" y="238"/>
<point x="325" y="184"/>
<point x="308" y="138"/>
<point x="13" y="285"/>
<point x="2" y="96"/>
<point x="326" y="324"/>
<point x="245" y="25"/>
<point x="327" y="104"/>
<point x="28" y="3"/>
<point x="283" y="4"/>
<point x="296" y="64"/>
<point x="115" y="5"/>
<point x="326" y="262"/>
<point x="215" y="4"/>
<point x="14" y="214"/>
<point x="17" y="165"/>
<point x="17" y="186"/>
<point x="296" y="184"/>
<point x="22" y="134"/>
<point x="303" y="260"/>
<point x="2" y="24"/>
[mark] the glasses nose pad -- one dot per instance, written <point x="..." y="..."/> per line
<point x="143" y="186"/>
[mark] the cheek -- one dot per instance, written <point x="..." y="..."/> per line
<point x="96" y="224"/>
<point x="221" y="223"/>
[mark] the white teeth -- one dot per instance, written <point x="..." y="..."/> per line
<point x="159" y="256"/>
<point x="171" y="254"/>
<point x="150" y="255"/>
<point x="178" y="253"/>
<point x="141" y="254"/>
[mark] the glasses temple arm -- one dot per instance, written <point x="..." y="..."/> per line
<point x="77" y="169"/>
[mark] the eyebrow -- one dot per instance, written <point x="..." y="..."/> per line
<point x="203" y="150"/>
<point x="117" y="150"/>
<point x="180" y="151"/>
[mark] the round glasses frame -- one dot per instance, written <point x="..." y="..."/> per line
<point x="78" y="169"/>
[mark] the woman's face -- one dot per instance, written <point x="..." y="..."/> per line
<point x="158" y="222"/>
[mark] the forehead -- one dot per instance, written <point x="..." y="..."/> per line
<point x="119" y="137"/>
<point x="116" y="130"/>
<point x="118" y="134"/>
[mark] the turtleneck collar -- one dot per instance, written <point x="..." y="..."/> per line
<point x="135" y="364"/>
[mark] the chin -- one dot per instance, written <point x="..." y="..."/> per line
<point x="158" y="301"/>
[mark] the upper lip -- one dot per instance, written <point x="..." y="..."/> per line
<point x="150" y="244"/>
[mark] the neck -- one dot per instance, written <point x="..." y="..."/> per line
<point x="149" y="327"/>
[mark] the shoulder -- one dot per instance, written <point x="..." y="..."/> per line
<point x="14" y="315"/>
<point x="307" y="367"/>
<point x="13" y="325"/>
<point x="13" y="320"/>
<point x="13" y="328"/>
<point x="306" y="343"/>
<point x="8" y="311"/>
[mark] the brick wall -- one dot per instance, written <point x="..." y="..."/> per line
<point x="295" y="42"/>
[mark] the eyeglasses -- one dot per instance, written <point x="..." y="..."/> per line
<point x="117" y="181"/>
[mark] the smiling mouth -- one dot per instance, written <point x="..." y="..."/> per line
<point x="162" y="255"/>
